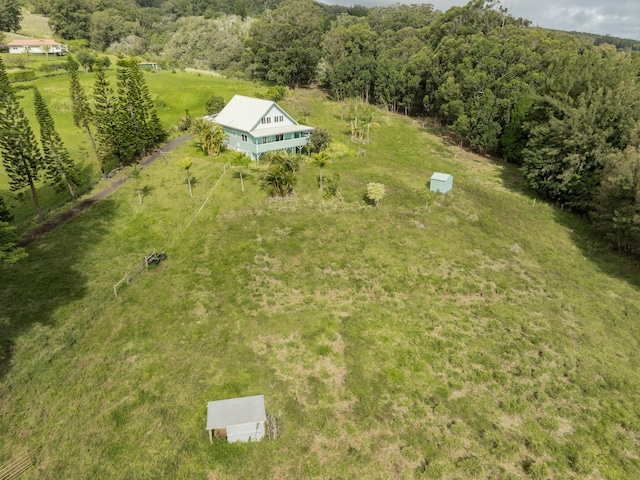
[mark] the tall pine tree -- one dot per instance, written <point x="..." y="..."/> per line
<point x="135" y="100"/>
<point x="60" y="170"/>
<point x="5" y="215"/>
<point x="82" y="114"/>
<point x="113" y="133"/>
<point x="20" y="153"/>
<point x="127" y="122"/>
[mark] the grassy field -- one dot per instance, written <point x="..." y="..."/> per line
<point x="173" y="93"/>
<point x="472" y="335"/>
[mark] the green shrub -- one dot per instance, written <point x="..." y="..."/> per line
<point x="375" y="192"/>
<point x="23" y="76"/>
<point x="214" y="104"/>
<point x="275" y="93"/>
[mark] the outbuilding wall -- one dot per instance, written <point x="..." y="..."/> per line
<point x="246" y="432"/>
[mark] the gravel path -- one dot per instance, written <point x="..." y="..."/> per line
<point x="113" y="185"/>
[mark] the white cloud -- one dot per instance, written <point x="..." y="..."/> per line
<point x="620" y="18"/>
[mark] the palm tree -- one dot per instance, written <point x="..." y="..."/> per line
<point x="186" y="163"/>
<point x="280" y="176"/>
<point x="238" y="159"/>
<point x="134" y="173"/>
<point x="211" y="136"/>
<point x="322" y="160"/>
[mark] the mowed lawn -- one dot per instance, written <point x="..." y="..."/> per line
<point x="474" y="335"/>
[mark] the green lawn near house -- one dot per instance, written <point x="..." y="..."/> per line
<point x="472" y="335"/>
<point x="173" y="94"/>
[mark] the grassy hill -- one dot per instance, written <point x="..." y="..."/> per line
<point x="173" y="93"/>
<point x="473" y="335"/>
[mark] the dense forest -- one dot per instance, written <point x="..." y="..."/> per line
<point x="564" y="106"/>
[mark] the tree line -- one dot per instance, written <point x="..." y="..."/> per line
<point x="564" y="107"/>
<point x="565" y="110"/>
<point x="122" y="125"/>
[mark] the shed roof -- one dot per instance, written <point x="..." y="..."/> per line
<point x="442" y="177"/>
<point x="235" y="411"/>
<point x="33" y="43"/>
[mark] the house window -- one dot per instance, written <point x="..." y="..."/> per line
<point x="279" y="138"/>
<point x="265" y="120"/>
<point x="244" y="138"/>
<point x="265" y="139"/>
<point x="278" y="118"/>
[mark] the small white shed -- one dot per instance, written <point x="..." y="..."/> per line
<point x="441" y="182"/>
<point x="241" y="419"/>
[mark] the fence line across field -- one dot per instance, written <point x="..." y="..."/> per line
<point x="135" y="272"/>
<point x="143" y="265"/>
<point x="226" y="165"/>
<point x="16" y="467"/>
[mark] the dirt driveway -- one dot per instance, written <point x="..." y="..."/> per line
<point x="113" y="185"/>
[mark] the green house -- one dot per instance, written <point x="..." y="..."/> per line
<point x="255" y="126"/>
<point x="441" y="182"/>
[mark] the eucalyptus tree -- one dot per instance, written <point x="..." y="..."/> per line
<point x="10" y="16"/>
<point x="350" y="50"/>
<point x="60" y="170"/>
<point x="284" y="44"/>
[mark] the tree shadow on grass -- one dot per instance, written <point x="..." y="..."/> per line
<point x="594" y="249"/>
<point x="50" y="278"/>
<point x="146" y="191"/>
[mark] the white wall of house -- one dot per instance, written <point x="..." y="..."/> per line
<point x="53" y="50"/>
<point x="275" y="117"/>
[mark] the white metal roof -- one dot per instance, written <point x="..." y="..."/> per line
<point x="235" y="411"/>
<point x="442" y="177"/>
<point x="243" y="113"/>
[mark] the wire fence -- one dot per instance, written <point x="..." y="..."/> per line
<point x="143" y="265"/>
<point x="16" y="466"/>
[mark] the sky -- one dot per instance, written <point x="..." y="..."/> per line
<point x="619" y="18"/>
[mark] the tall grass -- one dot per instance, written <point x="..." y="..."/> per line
<point x="471" y="335"/>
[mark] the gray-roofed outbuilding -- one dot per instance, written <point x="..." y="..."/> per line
<point x="242" y="418"/>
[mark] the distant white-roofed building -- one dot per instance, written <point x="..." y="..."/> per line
<point x="37" y="47"/>
<point x="255" y="126"/>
